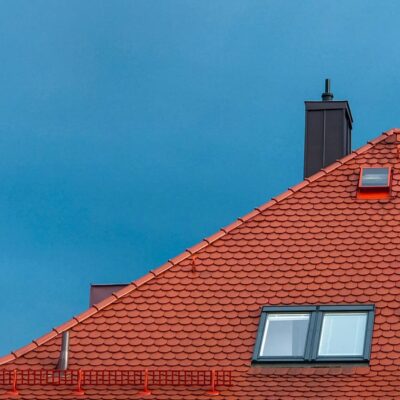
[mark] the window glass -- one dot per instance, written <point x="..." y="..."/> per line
<point x="285" y="335"/>
<point x="374" y="177"/>
<point x="343" y="334"/>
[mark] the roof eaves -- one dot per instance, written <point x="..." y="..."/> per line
<point x="192" y="250"/>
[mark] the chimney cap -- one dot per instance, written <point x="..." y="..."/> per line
<point x="327" y="95"/>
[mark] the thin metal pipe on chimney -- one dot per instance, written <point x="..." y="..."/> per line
<point x="327" y="95"/>
<point x="64" y="355"/>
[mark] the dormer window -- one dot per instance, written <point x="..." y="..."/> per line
<point x="314" y="334"/>
<point x="374" y="183"/>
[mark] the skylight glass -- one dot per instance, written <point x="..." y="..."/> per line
<point x="374" y="177"/>
<point x="343" y="334"/>
<point x="285" y="335"/>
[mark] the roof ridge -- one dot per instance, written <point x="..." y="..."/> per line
<point x="190" y="252"/>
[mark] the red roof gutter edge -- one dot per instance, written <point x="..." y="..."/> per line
<point x="190" y="251"/>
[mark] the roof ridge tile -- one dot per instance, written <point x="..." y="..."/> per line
<point x="30" y="346"/>
<point x="363" y="149"/>
<point x="299" y="186"/>
<point x="128" y="288"/>
<point x="105" y="302"/>
<point x="283" y="195"/>
<point x="85" y="314"/>
<point x="66" y="326"/>
<point x="250" y="215"/>
<point x="332" y="167"/>
<point x="315" y="176"/>
<point x="9" y="357"/>
<point x="232" y="226"/>
<point x="43" y="339"/>
<point x="266" y="205"/>
<point x="157" y="271"/>
<point x="145" y="278"/>
<point x="214" y="237"/>
<point x="197" y="247"/>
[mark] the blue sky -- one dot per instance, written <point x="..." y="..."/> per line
<point x="130" y="130"/>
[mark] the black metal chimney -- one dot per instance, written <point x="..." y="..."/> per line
<point x="328" y="132"/>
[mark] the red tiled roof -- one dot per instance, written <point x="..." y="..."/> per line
<point x="314" y="244"/>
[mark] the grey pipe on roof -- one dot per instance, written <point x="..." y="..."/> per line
<point x="64" y="355"/>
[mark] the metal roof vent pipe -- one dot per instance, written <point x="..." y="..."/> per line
<point x="327" y="95"/>
<point x="64" y="355"/>
<point x="328" y="131"/>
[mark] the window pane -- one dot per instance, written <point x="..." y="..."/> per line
<point x="343" y="334"/>
<point x="375" y="177"/>
<point x="285" y="335"/>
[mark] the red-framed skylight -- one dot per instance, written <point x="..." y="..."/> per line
<point x="376" y="177"/>
<point x="374" y="183"/>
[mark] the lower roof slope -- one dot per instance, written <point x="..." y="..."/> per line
<point x="315" y="244"/>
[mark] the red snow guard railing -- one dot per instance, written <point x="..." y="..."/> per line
<point x="146" y="378"/>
